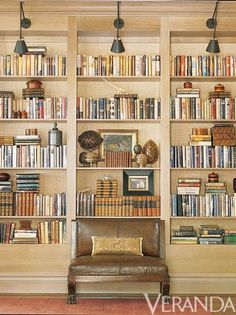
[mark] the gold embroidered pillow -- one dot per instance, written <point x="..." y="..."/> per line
<point x="117" y="246"/>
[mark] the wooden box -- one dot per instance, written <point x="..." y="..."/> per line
<point x="223" y="135"/>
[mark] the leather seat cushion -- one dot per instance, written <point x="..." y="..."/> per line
<point x="117" y="265"/>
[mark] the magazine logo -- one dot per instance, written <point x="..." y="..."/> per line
<point x="193" y="304"/>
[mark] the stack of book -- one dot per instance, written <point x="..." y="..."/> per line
<point x="185" y="235"/>
<point x="106" y="188"/>
<point x="33" y="93"/>
<point x="37" y="50"/>
<point x="189" y="186"/>
<point x="5" y="186"/>
<point x="6" y="140"/>
<point x="6" y="102"/>
<point x="216" y="188"/>
<point x="211" y="234"/>
<point x="25" y="236"/>
<point x="27" y="182"/>
<point x="118" y="159"/>
<point x="27" y="140"/>
<point x="6" y="203"/>
<point x="200" y="136"/>
<point x="230" y="237"/>
<point x="85" y="204"/>
<point x="188" y="92"/>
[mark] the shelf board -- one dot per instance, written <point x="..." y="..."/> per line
<point x="38" y="245"/>
<point x="203" y="218"/>
<point x="116" y="168"/>
<point x="119" y="78"/>
<point x="120" y="120"/>
<point x="38" y="77"/>
<point x="184" y="121"/>
<point x="117" y="217"/>
<point x="27" y="120"/>
<point x="201" y="169"/>
<point x="203" y="78"/>
<point x="35" y="168"/>
<point x="32" y="217"/>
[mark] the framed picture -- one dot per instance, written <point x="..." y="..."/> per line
<point x="118" y="140"/>
<point x="138" y="183"/>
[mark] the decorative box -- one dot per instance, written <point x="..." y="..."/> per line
<point x="223" y="135"/>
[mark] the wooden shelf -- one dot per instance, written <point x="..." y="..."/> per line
<point x="24" y="78"/>
<point x="35" y="168"/>
<point x="119" y="78"/>
<point x="197" y="121"/>
<point x="202" y="218"/>
<point x="38" y="245"/>
<point x="33" y="217"/>
<point x="201" y="169"/>
<point x="139" y="121"/>
<point x="117" y="217"/>
<point x="116" y="168"/>
<point x="30" y="120"/>
<point x="203" y="78"/>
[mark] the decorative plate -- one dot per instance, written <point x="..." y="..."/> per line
<point x="151" y="150"/>
<point x="90" y="140"/>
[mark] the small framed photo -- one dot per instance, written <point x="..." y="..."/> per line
<point x="138" y="183"/>
<point x="116" y="140"/>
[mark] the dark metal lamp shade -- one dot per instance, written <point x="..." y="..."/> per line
<point x="21" y="47"/>
<point x="213" y="46"/>
<point x="117" y="46"/>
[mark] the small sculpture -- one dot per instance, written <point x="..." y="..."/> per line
<point x="146" y="155"/>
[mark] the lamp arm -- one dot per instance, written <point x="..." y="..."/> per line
<point x="20" y="19"/>
<point x="214" y="15"/>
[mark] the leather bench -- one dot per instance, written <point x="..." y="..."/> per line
<point x="151" y="266"/>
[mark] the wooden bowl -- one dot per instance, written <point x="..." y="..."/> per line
<point x="4" y="177"/>
<point x="34" y="84"/>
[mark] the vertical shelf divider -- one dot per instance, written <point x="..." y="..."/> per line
<point x="165" y="124"/>
<point x="71" y="122"/>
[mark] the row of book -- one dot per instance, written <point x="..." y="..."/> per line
<point x="210" y="205"/>
<point x="118" y="108"/>
<point x="6" y="203"/>
<point x="35" y="204"/>
<point x="138" y="65"/>
<point x="195" y="108"/>
<point x="205" y="65"/>
<point x="90" y="205"/>
<point x="34" y="108"/>
<point x="118" y="159"/>
<point x="202" y="156"/>
<point x="32" y="65"/>
<point x="47" y="232"/>
<point x="33" y="156"/>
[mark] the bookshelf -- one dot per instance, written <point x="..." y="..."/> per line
<point x="105" y="86"/>
<point x="165" y="35"/>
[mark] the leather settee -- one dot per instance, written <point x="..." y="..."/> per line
<point x="150" y="267"/>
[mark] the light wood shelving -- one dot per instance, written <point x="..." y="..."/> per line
<point x="186" y="263"/>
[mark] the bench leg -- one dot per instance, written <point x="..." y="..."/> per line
<point x="71" y="290"/>
<point x="165" y="291"/>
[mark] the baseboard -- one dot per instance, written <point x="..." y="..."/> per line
<point x="182" y="284"/>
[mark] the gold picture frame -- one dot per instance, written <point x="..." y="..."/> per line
<point x="118" y="140"/>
